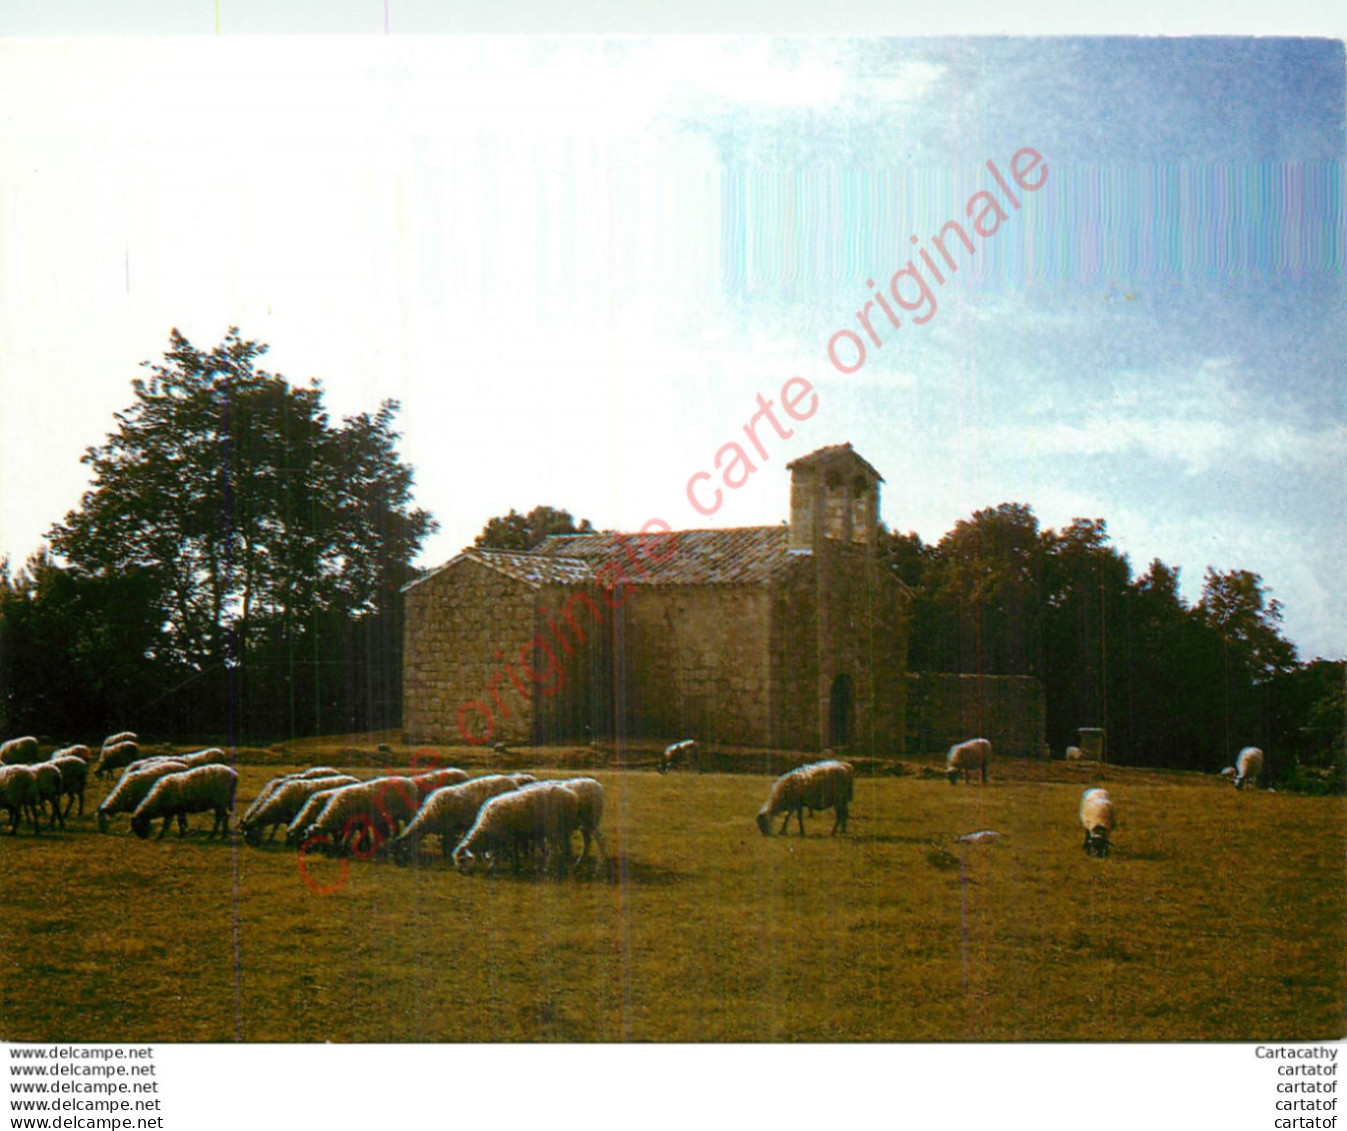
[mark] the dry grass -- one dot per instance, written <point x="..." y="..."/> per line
<point x="1220" y="916"/>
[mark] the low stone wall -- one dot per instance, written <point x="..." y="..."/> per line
<point x="944" y="709"/>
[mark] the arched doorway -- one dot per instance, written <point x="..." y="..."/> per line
<point x="839" y="712"/>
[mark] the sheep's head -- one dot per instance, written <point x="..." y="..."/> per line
<point x="765" y="823"/>
<point x="1096" y="841"/>
<point x="140" y="826"/>
<point x="953" y="774"/>
<point x="102" y="820"/>
<point x="464" y="860"/>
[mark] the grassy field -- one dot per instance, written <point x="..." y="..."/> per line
<point x="1220" y="916"/>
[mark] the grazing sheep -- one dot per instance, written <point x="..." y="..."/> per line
<point x="49" y="790"/>
<point x="544" y="814"/>
<point x="450" y="811"/>
<point x="131" y="789"/>
<point x="120" y="736"/>
<point x="975" y="754"/>
<point x="19" y="751"/>
<point x="282" y="805"/>
<point x="1097" y="819"/>
<point x="679" y="754"/>
<point x="19" y="795"/>
<point x="431" y="780"/>
<point x="275" y="783"/>
<point x="74" y="773"/>
<point x="116" y="757"/>
<point x="212" y="756"/>
<point x="374" y="809"/>
<point x="590" y="795"/>
<point x="817" y="786"/>
<point x="200" y="789"/>
<point x="1248" y="766"/>
<point x="81" y="752"/>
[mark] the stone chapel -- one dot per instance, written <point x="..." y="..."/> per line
<point x="783" y="637"/>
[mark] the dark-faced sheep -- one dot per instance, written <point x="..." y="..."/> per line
<point x="678" y="755"/>
<point x="964" y="757"/>
<point x="1097" y="819"/>
<point x="817" y="786"/>
<point x="1248" y="767"/>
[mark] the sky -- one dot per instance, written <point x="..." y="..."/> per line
<point x="577" y="262"/>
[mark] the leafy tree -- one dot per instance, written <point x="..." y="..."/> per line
<point x="516" y="531"/>
<point x="253" y="520"/>
<point x="979" y="608"/>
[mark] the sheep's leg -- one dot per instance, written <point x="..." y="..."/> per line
<point x="785" y="824"/>
<point x="81" y="797"/>
<point x="799" y="816"/>
<point x="599" y="847"/>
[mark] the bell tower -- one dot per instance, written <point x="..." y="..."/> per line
<point x="834" y="498"/>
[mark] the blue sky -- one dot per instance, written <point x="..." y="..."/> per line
<point x="578" y="261"/>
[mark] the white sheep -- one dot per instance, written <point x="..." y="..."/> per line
<point x="1074" y="754"/>
<point x="1248" y="766"/>
<point x="964" y="757"/>
<point x="817" y="786"/>
<point x="19" y="795"/>
<point x="544" y="815"/>
<point x="282" y="805"/>
<point x="590" y="795"/>
<point x="49" y="790"/>
<point x="200" y="789"/>
<point x="81" y="752"/>
<point x="74" y="773"/>
<point x="450" y="811"/>
<point x="679" y="754"/>
<point x="120" y="736"/>
<point x="428" y="782"/>
<point x="1097" y="819"/>
<point x="19" y="751"/>
<point x="115" y="757"/>
<point x="275" y="783"/>
<point x="372" y="809"/>
<point x="211" y="756"/>
<point x="132" y="788"/>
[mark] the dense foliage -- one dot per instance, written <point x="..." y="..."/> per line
<point x="516" y="531"/>
<point x="235" y="564"/>
<point x="1173" y="684"/>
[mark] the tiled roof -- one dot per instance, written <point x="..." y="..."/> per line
<point x="743" y="555"/>
<point x="532" y="569"/>
<point x="822" y="455"/>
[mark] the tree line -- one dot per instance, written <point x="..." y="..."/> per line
<point x="1174" y="684"/>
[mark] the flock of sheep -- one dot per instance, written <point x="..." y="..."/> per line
<point x="485" y="819"/>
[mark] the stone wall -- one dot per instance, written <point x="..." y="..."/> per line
<point x="945" y="709"/>
<point x="693" y="660"/>
<point x="457" y="621"/>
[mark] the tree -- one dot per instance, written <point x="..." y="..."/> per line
<point x="516" y="531"/>
<point x="256" y="521"/>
